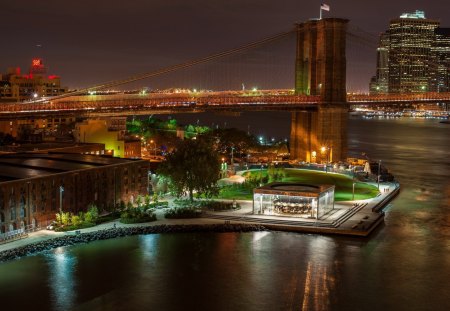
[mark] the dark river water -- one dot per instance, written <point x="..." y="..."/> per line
<point x="404" y="265"/>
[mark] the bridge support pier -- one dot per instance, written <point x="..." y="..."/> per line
<point x="319" y="136"/>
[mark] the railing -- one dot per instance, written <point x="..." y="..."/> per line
<point x="17" y="234"/>
<point x="12" y="235"/>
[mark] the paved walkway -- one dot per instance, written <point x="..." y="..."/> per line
<point x="44" y="234"/>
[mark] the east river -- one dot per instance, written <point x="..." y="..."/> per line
<point x="404" y="265"/>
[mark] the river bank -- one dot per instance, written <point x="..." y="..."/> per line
<point x="111" y="233"/>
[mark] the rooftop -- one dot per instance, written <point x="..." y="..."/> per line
<point x="23" y="166"/>
<point x="417" y="15"/>
<point x="285" y="188"/>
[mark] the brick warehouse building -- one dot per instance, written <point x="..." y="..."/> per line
<point x="31" y="185"/>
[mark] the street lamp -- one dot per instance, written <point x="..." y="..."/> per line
<point x="353" y="193"/>
<point x="313" y="155"/>
<point x="379" y="171"/>
<point x="223" y="168"/>
<point x="232" y="155"/>
<point x="61" y="190"/>
<point x="154" y="147"/>
<point x="29" y="206"/>
<point x="115" y="196"/>
<point x="149" y="174"/>
<point x="323" y="154"/>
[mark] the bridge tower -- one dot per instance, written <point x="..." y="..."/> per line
<point x="320" y="69"/>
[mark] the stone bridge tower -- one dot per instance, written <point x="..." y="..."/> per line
<point x="320" y="69"/>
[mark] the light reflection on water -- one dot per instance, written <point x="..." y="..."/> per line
<point x="403" y="266"/>
<point x="61" y="278"/>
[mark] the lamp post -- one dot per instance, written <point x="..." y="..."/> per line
<point x="115" y="196"/>
<point x="232" y="155"/>
<point x="61" y="190"/>
<point x="323" y="155"/>
<point x="154" y="147"/>
<point x="29" y="206"/>
<point x="379" y="172"/>
<point x="149" y="176"/>
<point x="353" y="193"/>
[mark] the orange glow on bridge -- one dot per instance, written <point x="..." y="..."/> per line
<point x="194" y="101"/>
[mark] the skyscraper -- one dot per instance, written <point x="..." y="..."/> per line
<point x="411" y="38"/>
<point x="413" y="56"/>
<point x="440" y="81"/>
<point x="379" y="83"/>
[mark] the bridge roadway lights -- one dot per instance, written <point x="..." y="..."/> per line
<point x="81" y="106"/>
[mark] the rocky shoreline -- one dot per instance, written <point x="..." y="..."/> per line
<point x="112" y="233"/>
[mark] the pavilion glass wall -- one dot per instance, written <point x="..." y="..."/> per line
<point x="284" y="205"/>
<point x="326" y="203"/>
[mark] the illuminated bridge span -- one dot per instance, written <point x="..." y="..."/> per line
<point x="396" y="98"/>
<point x="135" y="104"/>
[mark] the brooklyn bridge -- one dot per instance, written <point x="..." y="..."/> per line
<point x="319" y="101"/>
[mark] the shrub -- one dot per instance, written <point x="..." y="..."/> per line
<point x="182" y="212"/>
<point x="147" y="200"/>
<point x="137" y="215"/>
<point x="221" y="206"/>
<point x="65" y="218"/>
<point x="92" y="214"/>
<point x="76" y="220"/>
<point x="158" y="205"/>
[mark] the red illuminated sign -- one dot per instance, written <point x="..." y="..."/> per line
<point x="36" y="62"/>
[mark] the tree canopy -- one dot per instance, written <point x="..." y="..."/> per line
<point x="233" y="138"/>
<point x="193" y="166"/>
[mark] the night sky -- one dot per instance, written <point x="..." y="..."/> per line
<point x="88" y="42"/>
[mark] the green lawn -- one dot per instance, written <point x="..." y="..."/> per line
<point x="343" y="183"/>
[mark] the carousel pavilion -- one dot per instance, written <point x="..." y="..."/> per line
<point x="293" y="200"/>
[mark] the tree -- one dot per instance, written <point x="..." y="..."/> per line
<point x="239" y="140"/>
<point x="193" y="166"/>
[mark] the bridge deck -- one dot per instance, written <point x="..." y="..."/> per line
<point x="159" y="103"/>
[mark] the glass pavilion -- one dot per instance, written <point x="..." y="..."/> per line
<point x="293" y="200"/>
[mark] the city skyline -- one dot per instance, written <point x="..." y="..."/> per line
<point x="109" y="44"/>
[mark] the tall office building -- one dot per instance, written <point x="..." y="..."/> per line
<point x="412" y="57"/>
<point x="441" y="52"/>
<point x="379" y="83"/>
<point x="411" y="38"/>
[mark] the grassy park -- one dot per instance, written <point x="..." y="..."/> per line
<point x="343" y="183"/>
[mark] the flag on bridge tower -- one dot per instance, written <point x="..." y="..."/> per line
<point x="323" y="7"/>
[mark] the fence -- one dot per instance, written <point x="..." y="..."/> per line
<point x="17" y="234"/>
